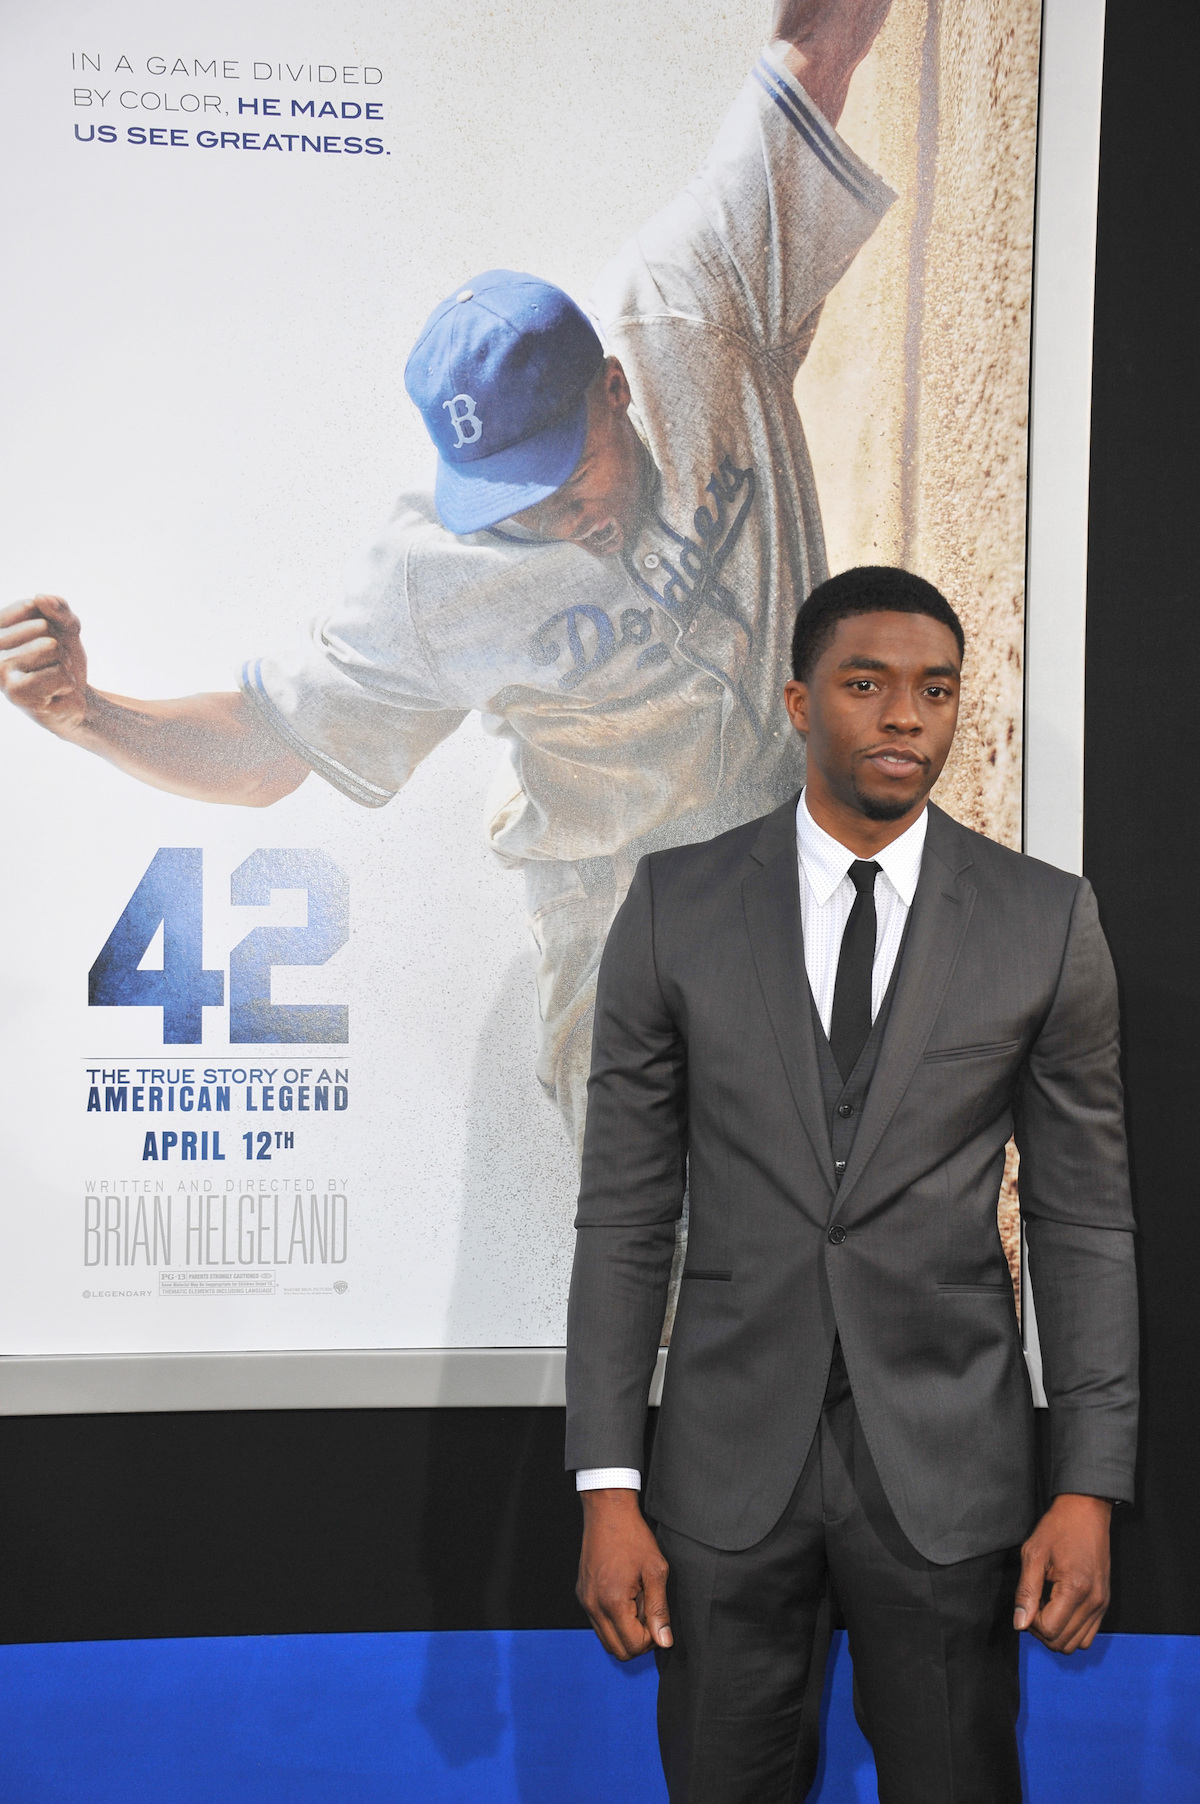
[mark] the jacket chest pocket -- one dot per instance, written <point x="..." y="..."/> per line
<point x="983" y="1049"/>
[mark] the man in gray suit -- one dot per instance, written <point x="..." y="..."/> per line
<point x="826" y="1025"/>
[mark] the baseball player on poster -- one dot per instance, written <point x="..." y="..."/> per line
<point x="623" y="524"/>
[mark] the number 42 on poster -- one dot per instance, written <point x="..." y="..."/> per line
<point x="171" y="895"/>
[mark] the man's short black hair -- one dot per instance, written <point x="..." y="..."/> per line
<point x="867" y="589"/>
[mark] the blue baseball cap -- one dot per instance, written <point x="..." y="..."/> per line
<point x="500" y="373"/>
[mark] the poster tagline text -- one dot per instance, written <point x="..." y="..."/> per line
<point x="193" y="97"/>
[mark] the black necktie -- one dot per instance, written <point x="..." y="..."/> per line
<point x="851" y="1022"/>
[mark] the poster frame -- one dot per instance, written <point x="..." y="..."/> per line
<point x="1070" y="83"/>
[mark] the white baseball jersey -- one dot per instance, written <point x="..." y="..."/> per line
<point x="638" y="697"/>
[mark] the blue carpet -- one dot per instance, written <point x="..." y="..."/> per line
<point x="505" y="1718"/>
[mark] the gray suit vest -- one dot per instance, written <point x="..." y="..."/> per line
<point x="844" y="1100"/>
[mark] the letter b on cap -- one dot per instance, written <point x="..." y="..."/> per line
<point x="466" y="422"/>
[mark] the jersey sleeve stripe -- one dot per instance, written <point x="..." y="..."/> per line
<point x="807" y="127"/>
<point x="359" y="789"/>
<point x="799" y="99"/>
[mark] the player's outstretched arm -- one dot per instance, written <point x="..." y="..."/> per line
<point x="828" y="39"/>
<point x="213" y="748"/>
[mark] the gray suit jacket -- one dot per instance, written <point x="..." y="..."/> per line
<point x="704" y="1071"/>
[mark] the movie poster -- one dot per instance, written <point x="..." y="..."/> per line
<point x="307" y="884"/>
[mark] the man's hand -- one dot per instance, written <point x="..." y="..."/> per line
<point x="43" y="668"/>
<point x="829" y="39"/>
<point x="622" y="1575"/>
<point x="1068" y="1550"/>
<point x="212" y="748"/>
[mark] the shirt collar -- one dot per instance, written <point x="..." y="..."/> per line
<point x="826" y="860"/>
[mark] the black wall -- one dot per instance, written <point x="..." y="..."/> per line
<point x="1142" y="852"/>
<point x="322" y="1520"/>
<point x="285" y="1522"/>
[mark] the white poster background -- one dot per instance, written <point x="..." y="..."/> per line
<point x="205" y="417"/>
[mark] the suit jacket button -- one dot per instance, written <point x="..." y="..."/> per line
<point x="845" y="1108"/>
<point x="836" y="1234"/>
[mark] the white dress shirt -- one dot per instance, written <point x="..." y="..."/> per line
<point x="826" y="898"/>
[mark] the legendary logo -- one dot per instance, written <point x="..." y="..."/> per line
<point x="585" y="624"/>
<point x="462" y="413"/>
<point x="693" y="571"/>
<point x="691" y="581"/>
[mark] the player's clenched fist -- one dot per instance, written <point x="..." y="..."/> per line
<point x="213" y="748"/>
<point x="43" y="667"/>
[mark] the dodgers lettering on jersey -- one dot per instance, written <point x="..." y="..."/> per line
<point x="638" y="698"/>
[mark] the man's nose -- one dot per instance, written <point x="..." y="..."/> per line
<point x="901" y="714"/>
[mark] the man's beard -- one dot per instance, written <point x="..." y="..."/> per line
<point x="881" y="808"/>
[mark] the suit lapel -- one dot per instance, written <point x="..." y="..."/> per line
<point x="941" y="913"/>
<point x="771" y="901"/>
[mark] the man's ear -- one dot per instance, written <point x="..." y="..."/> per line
<point x="616" y="385"/>
<point x="795" y="700"/>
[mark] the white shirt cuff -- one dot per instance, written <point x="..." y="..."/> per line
<point x="605" y="1478"/>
